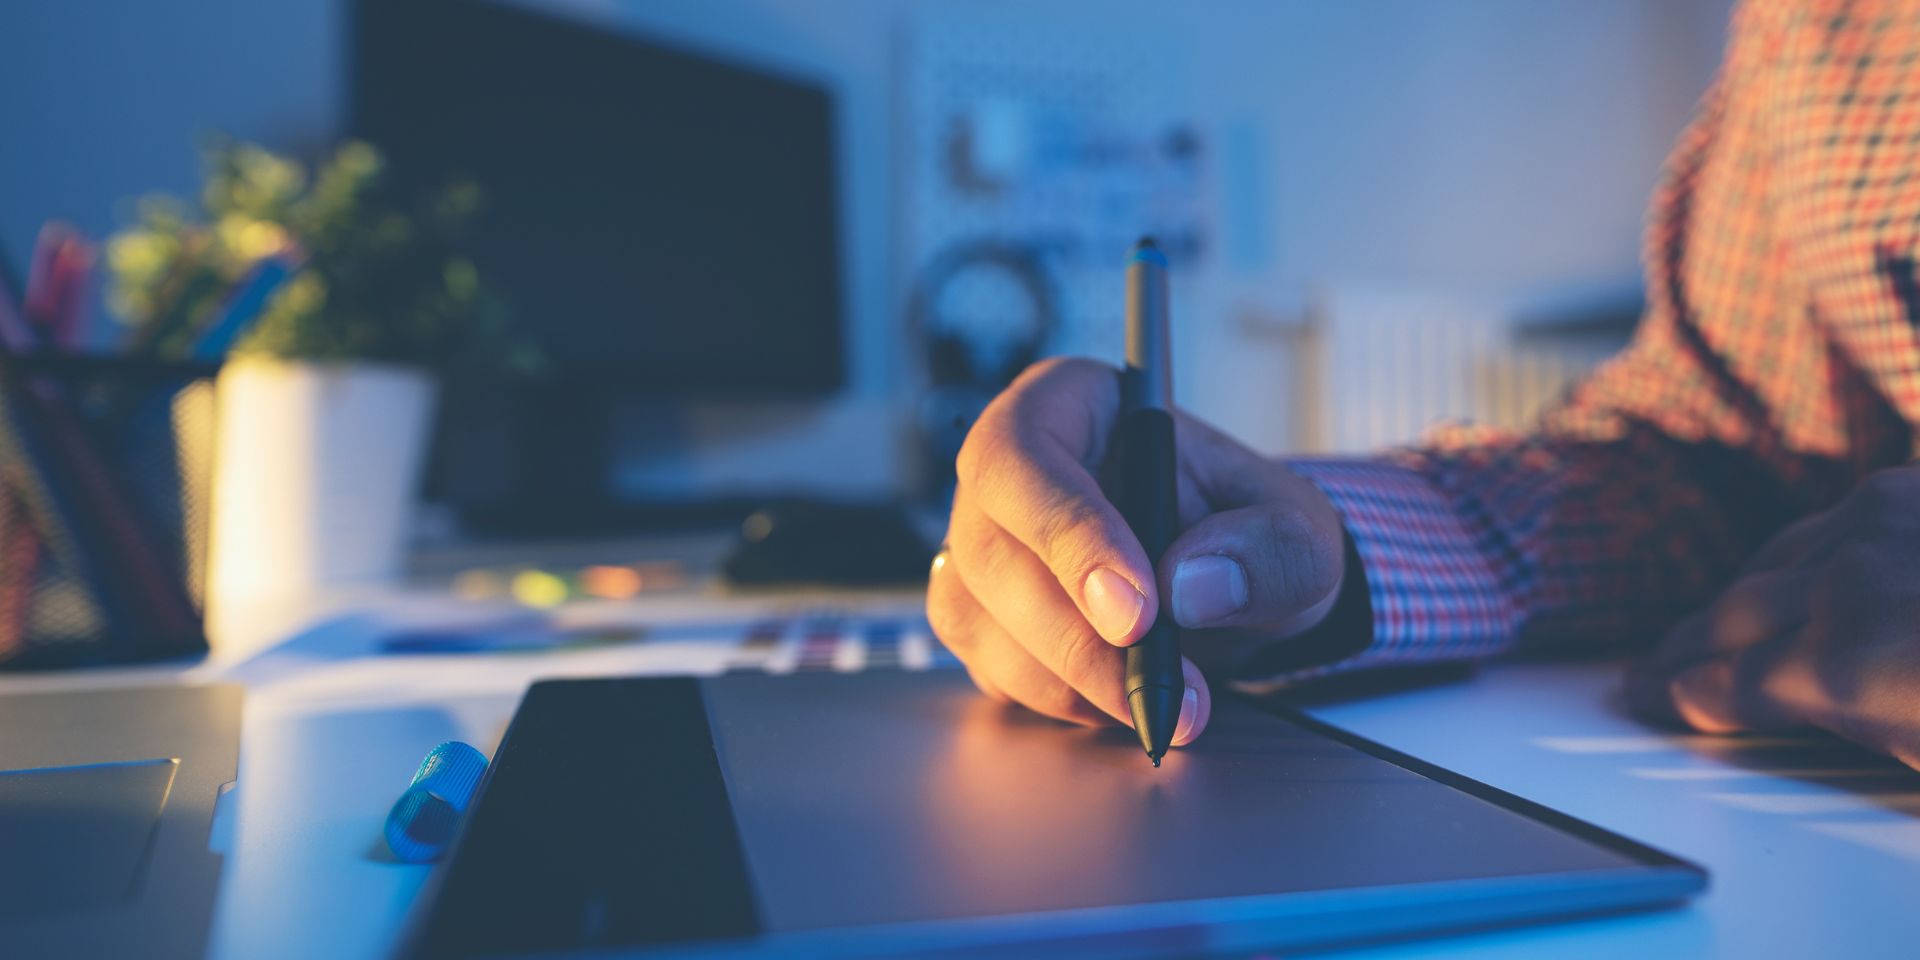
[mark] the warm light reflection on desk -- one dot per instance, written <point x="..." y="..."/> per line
<point x="987" y="776"/>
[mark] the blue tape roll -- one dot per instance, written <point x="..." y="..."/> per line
<point x="422" y="821"/>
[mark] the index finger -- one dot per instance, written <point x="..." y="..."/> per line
<point x="1025" y="467"/>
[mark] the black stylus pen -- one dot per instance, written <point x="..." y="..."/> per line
<point x="1148" y="500"/>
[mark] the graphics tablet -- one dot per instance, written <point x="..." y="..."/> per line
<point x="883" y="814"/>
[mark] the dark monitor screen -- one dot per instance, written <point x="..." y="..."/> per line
<point x="661" y="223"/>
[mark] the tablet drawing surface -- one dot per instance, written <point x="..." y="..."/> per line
<point x="938" y="803"/>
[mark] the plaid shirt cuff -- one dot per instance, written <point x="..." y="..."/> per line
<point x="1433" y="583"/>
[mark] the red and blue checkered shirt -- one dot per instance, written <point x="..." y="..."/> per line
<point x="1777" y="363"/>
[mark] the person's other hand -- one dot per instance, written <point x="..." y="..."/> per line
<point x="1042" y="582"/>
<point x="1822" y="629"/>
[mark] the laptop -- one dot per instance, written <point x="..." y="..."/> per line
<point x="107" y="809"/>
<point x="894" y="813"/>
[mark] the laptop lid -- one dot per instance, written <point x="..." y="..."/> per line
<point x="107" y="800"/>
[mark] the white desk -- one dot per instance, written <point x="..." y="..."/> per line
<point x="1800" y="868"/>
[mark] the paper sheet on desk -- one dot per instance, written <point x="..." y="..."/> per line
<point x="1823" y="784"/>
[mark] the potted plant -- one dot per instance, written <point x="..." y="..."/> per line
<point x="338" y="300"/>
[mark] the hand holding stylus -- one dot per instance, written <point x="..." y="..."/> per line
<point x="1043" y="579"/>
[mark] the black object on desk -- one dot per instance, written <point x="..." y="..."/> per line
<point x="572" y="788"/>
<point x="793" y="542"/>
<point x="885" y="814"/>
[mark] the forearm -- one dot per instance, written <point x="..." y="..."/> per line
<point x="1543" y="542"/>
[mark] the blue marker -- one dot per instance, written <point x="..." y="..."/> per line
<point x="240" y="311"/>
<point x="423" y="819"/>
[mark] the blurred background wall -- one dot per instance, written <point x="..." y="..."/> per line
<point x="1402" y="207"/>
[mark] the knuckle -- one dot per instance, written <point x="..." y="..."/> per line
<point x="1732" y="621"/>
<point x="981" y="556"/>
<point x="1722" y="625"/>
<point x="1305" y="560"/>
<point x="1062" y="391"/>
<point x="1075" y="538"/>
<point x="1325" y="558"/>
<point x="963" y="542"/>
<point x="1056" y="382"/>
<point x="1063" y="370"/>
<point x="982" y="448"/>
<point x="1045" y="369"/>
<point x="1086" y="662"/>
<point x="999" y="439"/>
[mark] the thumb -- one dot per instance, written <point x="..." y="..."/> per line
<point x="1275" y="565"/>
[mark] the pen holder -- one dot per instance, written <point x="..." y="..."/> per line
<point x="105" y="468"/>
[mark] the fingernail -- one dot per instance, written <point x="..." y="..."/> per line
<point x="1207" y="589"/>
<point x="1189" y="712"/>
<point x="1113" y="603"/>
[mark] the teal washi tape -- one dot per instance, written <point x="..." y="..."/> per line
<point x="423" y="820"/>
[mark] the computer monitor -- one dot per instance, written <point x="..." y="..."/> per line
<point x="662" y="223"/>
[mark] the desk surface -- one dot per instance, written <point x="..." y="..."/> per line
<point x="1814" y="848"/>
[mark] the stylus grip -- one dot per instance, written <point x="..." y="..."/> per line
<point x="1149" y="502"/>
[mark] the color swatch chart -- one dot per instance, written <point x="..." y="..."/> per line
<point x="844" y="644"/>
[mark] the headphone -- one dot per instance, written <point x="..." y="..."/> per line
<point x="967" y="365"/>
<point x="953" y="353"/>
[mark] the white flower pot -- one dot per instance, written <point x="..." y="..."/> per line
<point x="315" y="473"/>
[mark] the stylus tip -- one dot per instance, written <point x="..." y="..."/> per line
<point x="1155" y="758"/>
